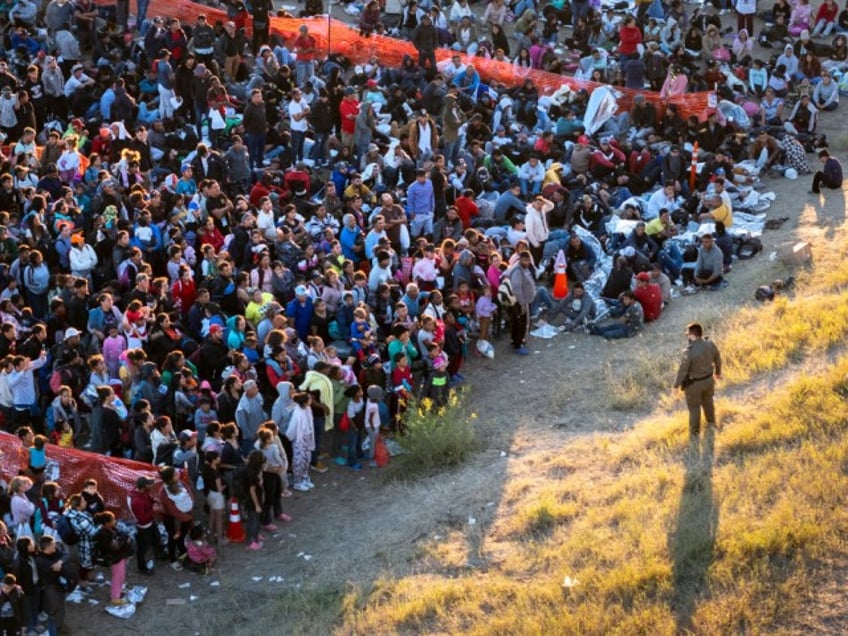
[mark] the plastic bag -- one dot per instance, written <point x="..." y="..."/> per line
<point x="121" y="611"/>
<point x="135" y="595"/>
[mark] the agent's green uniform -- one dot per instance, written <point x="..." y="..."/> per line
<point x="701" y="359"/>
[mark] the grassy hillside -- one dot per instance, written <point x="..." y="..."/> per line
<point x="733" y="534"/>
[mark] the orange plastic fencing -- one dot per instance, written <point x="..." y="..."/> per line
<point x="337" y="37"/>
<point x="115" y="477"/>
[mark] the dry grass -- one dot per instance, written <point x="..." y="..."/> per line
<point x="662" y="538"/>
<point x="755" y="340"/>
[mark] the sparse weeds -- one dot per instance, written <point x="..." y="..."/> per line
<point x="435" y="439"/>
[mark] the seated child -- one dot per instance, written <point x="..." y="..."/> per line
<point x="199" y="552"/>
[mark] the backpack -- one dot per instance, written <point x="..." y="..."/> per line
<point x="124" y="273"/>
<point x="165" y="454"/>
<point x="749" y="248"/>
<point x="506" y="295"/>
<point x="66" y="531"/>
<point x="240" y="489"/>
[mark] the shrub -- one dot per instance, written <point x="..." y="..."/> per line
<point x="435" y="439"/>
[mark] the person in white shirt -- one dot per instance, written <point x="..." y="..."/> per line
<point x="516" y="231"/>
<point x="265" y="221"/>
<point x="451" y="68"/>
<point x="77" y="80"/>
<point x="530" y="175"/>
<point x="83" y="258"/>
<point x="460" y="9"/>
<point x="298" y="122"/>
<point x="536" y="219"/>
<point x="662" y="198"/>
<point x="382" y="273"/>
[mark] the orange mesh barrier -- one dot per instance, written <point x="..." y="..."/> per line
<point x="115" y="477"/>
<point x="345" y="39"/>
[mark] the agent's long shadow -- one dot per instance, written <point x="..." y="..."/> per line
<point x="693" y="540"/>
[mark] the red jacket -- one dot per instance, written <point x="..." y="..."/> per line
<point x="827" y="13"/>
<point x="467" y="208"/>
<point x="348" y="107"/>
<point x="607" y="160"/>
<point x="141" y="505"/>
<point x="650" y="297"/>
<point x="629" y="38"/>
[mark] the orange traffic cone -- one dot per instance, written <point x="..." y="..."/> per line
<point x="235" y="529"/>
<point x="560" y="278"/>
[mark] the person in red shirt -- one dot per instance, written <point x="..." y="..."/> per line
<point x="466" y="207"/>
<point x="629" y="37"/>
<point x="143" y="511"/>
<point x="305" y="46"/>
<point x="348" y="109"/>
<point x="649" y="296"/>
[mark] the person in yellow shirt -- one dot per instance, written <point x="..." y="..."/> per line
<point x="719" y="212"/>
<point x="255" y="308"/>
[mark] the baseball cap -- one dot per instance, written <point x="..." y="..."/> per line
<point x="583" y="140"/>
<point x="644" y="276"/>
<point x="70" y="332"/>
<point x="187" y="435"/>
<point x="300" y="290"/>
<point x="215" y="329"/>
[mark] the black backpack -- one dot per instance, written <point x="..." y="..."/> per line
<point x="749" y="247"/>
<point x="165" y="454"/>
<point x="66" y="531"/>
<point x="240" y="489"/>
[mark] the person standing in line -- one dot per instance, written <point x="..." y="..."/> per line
<point x="299" y="122"/>
<point x="255" y="123"/>
<point x="524" y="288"/>
<point x="697" y="375"/>
<point x="830" y="176"/>
<point x="306" y="48"/>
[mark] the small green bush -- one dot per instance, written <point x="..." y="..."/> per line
<point x="435" y="439"/>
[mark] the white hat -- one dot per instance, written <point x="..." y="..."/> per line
<point x="70" y="332"/>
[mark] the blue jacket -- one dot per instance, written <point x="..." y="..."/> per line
<point x="155" y="242"/>
<point x="302" y="317"/>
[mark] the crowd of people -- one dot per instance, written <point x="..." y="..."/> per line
<point x="224" y="252"/>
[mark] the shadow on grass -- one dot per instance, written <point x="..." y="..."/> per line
<point x="693" y="542"/>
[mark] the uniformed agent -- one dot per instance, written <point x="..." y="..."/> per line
<point x="699" y="369"/>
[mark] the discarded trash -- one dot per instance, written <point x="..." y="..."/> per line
<point x="215" y="584"/>
<point x="503" y="453"/>
<point x="121" y="611"/>
<point x="75" y="597"/>
<point x="193" y="598"/>
<point x="256" y="579"/>
<point x="93" y="601"/>
<point x="307" y="557"/>
<point x="472" y="521"/>
<point x="184" y="586"/>
<point x="568" y="583"/>
<point x="136" y="594"/>
<point x="175" y="601"/>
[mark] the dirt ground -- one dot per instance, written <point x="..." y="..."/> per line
<point x="357" y="527"/>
